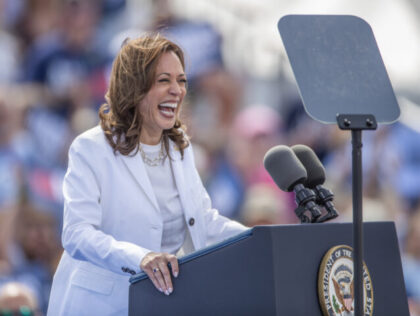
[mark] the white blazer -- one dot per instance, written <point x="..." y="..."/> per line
<point x="112" y="220"/>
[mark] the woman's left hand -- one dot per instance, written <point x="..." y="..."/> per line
<point x="155" y="264"/>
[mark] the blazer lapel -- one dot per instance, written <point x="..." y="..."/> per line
<point x="179" y="171"/>
<point x="136" y="167"/>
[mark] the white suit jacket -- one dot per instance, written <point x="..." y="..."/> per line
<point x="111" y="220"/>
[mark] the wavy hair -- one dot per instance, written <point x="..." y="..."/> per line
<point x="132" y="76"/>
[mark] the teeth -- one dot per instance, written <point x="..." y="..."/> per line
<point x="169" y="105"/>
<point x="167" y="112"/>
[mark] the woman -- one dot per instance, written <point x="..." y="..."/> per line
<point x="133" y="197"/>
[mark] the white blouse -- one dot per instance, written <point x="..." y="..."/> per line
<point x="162" y="179"/>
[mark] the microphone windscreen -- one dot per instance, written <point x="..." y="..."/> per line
<point x="312" y="164"/>
<point x="284" y="167"/>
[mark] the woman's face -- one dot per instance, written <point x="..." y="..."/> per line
<point x="161" y="105"/>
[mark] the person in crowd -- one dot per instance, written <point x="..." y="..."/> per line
<point x="36" y="250"/>
<point x="263" y="205"/>
<point x="411" y="263"/>
<point x="133" y="196"/>
<point x="17" y="299"/>
<point x="254" y="130"/>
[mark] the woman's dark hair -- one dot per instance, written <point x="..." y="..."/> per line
<point x="132" y="76"/>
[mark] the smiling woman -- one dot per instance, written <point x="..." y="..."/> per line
<point x="133" y="197"/>
<point x="147" y="79"/>
<point x="162" y="103"/>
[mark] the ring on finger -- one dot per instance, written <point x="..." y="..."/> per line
<point x="155" y="270"/>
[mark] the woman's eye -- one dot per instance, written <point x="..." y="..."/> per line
<point x="163" y="80"/>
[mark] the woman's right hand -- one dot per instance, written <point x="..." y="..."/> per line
<point x="155" y="265"/>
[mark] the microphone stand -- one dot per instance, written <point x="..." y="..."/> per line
<point x="356" y="123"/>
<point x="305" y="199"/>
<point x="325" y="197"/>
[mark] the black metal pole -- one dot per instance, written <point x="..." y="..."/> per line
<point x="357" y="221"/>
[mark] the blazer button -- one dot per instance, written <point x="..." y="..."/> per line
<point x="191" y="221"/>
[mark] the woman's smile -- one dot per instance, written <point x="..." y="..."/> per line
<point x="167" y="109"/>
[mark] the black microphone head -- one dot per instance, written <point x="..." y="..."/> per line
<point x="312" y="164"/>
<point x="284" y="167"/>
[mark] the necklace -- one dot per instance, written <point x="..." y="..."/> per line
<point x="152" y="162"/>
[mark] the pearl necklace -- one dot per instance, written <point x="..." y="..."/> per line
<point x="155" y="161"/>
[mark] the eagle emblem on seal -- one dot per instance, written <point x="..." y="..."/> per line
<point x="343" y="286"/>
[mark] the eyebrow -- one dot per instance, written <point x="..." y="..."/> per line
<point x="168" y="74"/>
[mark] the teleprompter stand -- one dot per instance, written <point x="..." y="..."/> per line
<point x="342" y="79"/>
<point x="357" y="123"/>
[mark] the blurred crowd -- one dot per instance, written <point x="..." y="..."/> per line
<point x="55" y="57"/>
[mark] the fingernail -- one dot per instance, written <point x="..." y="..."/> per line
<point x="160" y="290"/>
<point x="176" y="274"/>
<point x="170" y="290"/>
<point x="167" y="292"/>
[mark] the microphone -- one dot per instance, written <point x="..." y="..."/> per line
<point x="289" y="174"/>
<point x="315" y="179"/>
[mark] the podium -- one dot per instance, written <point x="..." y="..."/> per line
<point x="273" y="270"/>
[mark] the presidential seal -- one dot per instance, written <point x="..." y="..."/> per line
<point x="335" y="283"/>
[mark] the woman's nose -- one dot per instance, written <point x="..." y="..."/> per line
<point x="175" y="89"/>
